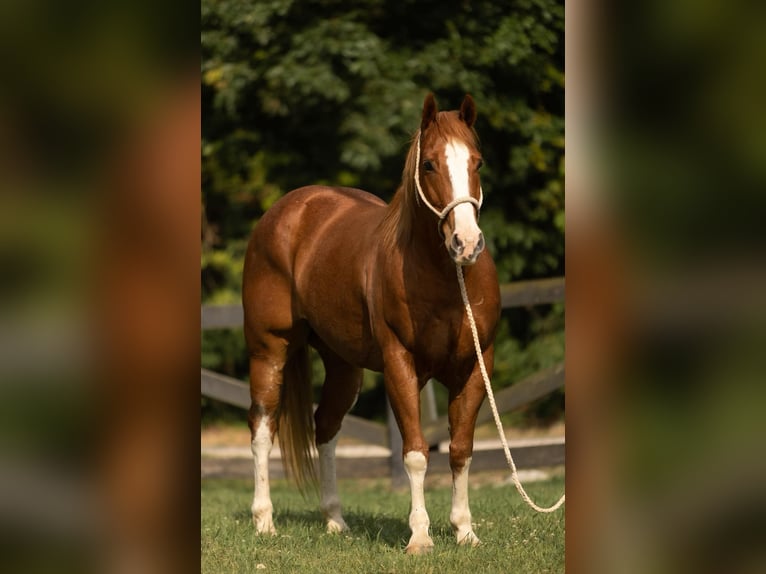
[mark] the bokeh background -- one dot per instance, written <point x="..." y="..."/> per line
<point x="99" y="259"/>
<point x="666" y="313"/>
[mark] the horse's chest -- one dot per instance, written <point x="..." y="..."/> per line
<point x="439" y="337"/>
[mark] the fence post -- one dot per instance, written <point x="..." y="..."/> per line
<point x="428" y="410"/>
<point x="398" y="475"/>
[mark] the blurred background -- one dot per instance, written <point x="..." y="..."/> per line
<point x="99" y="297"/>
<point x="666" y="284"/>
<point x="295" y="93"/>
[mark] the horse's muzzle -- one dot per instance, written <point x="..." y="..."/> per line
<point x="465" y="251"/>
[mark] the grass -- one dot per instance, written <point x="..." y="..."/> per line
<point x="514" y="537"/>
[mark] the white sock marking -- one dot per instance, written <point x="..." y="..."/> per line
<point x="415" y="465"/>
<point x="460" y="515"/>
<point x="329" y="500"/>
<point x="262" y="507"/>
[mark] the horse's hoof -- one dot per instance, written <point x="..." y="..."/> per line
<point x="418" y="549"/>
<point x="336" y="527"/>
<point x="469" y="539"/>
<point x="265" y="527"/>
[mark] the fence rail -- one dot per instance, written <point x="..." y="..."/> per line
<point x="518" y="294"/>
<point x="236" y="393"/>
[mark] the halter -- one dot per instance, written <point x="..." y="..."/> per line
<point x="442" y="215"/>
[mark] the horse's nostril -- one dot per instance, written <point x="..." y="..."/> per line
<point x="480" y="243"/>
<point x="457" y="244"/>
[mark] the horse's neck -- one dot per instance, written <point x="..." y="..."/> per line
<point x="414" y="238"/>
<point x="430" y="236"/>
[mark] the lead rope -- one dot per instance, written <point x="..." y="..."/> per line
<point x="491" y="396"/>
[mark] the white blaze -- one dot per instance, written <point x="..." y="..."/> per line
<point x="458" y="157"/>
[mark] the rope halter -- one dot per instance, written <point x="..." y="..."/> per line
<point x="445" y="211"/>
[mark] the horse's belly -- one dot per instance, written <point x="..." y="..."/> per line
<point x="351" y="343"/>
<point x="331" y="297"/>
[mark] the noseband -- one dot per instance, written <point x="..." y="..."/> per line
<point x="445" y="211"/>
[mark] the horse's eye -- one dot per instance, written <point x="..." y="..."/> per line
<point x="428" y="166"/>
<point x="479" y="165"/>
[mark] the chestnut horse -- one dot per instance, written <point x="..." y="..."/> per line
<point x="371" y="285"/>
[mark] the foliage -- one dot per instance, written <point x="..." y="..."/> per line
<point x="515" y="538"/>
<point x="318" y="91"/>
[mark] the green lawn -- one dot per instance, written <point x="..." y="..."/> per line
<point x="515" y="538"/>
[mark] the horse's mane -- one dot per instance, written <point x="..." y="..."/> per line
<point x="399" y="221"/>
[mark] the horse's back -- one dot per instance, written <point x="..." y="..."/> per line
<point x="309" y="214"/>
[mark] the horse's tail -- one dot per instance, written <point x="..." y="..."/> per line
<point x="296" y="421"/>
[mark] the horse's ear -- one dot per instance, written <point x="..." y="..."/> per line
<point x="468" y="111"/>
<point x="429" y="111"/>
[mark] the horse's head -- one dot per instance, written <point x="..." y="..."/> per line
<point x="447" y="176"/>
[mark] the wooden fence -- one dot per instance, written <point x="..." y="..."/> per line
<point x="546" y="452"/>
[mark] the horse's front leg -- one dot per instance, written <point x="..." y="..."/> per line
<point x="464" y="402"/>
<point x="404" y="393"/>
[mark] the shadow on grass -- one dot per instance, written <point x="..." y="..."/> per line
<point x="376" y="528"/>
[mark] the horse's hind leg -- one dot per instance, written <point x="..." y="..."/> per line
<point x="265" y="386"/>
<point x="339" y="393"/>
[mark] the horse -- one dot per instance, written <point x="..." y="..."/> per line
<point x="372" y="285"/>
